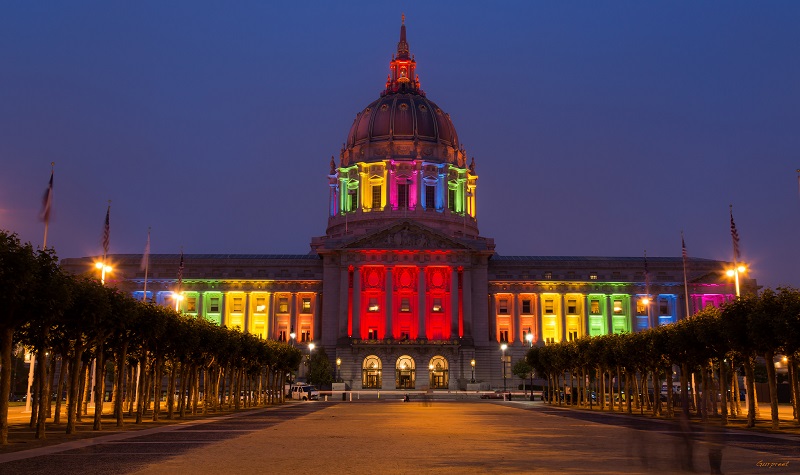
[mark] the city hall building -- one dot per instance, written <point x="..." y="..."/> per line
<point x="402" y="288"/>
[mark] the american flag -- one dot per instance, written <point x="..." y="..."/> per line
<point x="47" y="201"/>
<point x="106" y="232"/>
<point x="735" y="237"/>
<point x="180" y="270"/>
<point x="683" y="248"/>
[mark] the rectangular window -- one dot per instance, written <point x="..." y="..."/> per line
<point x="549" y="308"/>
<point x="451" y="199"/>
<point x="405" y="334"/>
<point x="282" y="335"/>
<point x="593" y="276"/>
<point x="191" y="304"/>
<point x="548" y="275"/>
<point x="437" y="305"/>
<point x="572" y="335"/>
<point x="504" y="336"/>
<point x="373" y="305"/>
<point x="641" y="307"/>
<point x="261" y="304"/>
<point x="405" y="304"/>
<point x="306" y="305"/>
<point x="353" y="199"/>
<point x="618" y="307"/>
<point x="376" y="197"/>
<point x="372" y="334"/>
<point x="572" y="307"/>
<point x="305" y="335"/>
<point x="213" y="305"/>
<point x="526" y="306"/>
<point x="237" y="305"/>
<point x="663" y="307"/>
<point x="402" y="196"/>
<point x="430" y="197"/>
<point x="549" y="341"/>
<point x="595" y="307"/>
<point x="283" y="305"/>
<point x="503" y="306"/>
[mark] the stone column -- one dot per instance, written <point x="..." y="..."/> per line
<point x="517" y="330"/>
<point x="609" y="304"/>
<point x="492" y="317"/>
<point x="453" y="302"/>
<point x="357" y="303"/>
<point x="293" y="316"/>
<point x="562" y="314"/>
<point x="389" y="329"/>
<point x="270" y="330"/>
<point x="421" y="300"/>
<point x="317" y="327"/>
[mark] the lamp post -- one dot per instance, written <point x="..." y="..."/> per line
<point x="430" y="375"/>
<point x="311" y="347"/>
<point x="503" y="348"/>
<point x="292" y="335"/>
<point x="178" y="298"/>
<point x="739" y="269"/>
<point x="472" y="363"/>
<point x="529" y="338"/>
<point x="104" y="269"/>
<point x="338" y="367"/>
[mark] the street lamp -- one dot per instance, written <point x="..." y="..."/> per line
<point x="472" y="363"/>
<point x="178" y="298"/>
<point x="430" y="375"/>
<point x="740" y="269"/>
<point x="104" y="269"/>
<point x="311" y="347"/>
<point x="529" y="337"/>
<point x="292" y="335"/>
<point x="338" y="367"/>
<point x="503" y="348"/>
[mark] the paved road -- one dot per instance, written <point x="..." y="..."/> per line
<point x="390" y="436"/>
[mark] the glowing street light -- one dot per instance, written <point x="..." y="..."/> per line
<point x="740" y="269"/>
<point x="178" y="298"/>
<point x="472" y="363"/>
<point x="338" y="367"/>
<point x="503" y="348"/>
<point x="529" y="338"/>
<point x="104" y="269"/>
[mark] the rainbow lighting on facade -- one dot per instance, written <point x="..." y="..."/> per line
<point x="402" y="291"/>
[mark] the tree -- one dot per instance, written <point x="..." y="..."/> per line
<point x="523" y="371"/>
<point x="320" y="371"/>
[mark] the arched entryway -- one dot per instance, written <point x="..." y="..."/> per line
<point x="405" y="373"/>
<point x="439" y="373"/>
<point x="371" y="372"/>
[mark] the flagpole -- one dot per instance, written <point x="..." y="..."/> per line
<point x="146" y="264"/>
<point x="735" y="242"/>
<point x="685" y="281"/>
<point x="48" y="202"/>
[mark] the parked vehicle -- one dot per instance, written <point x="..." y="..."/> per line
<point x="304" y="392"/>
<point x="498" y="394"/>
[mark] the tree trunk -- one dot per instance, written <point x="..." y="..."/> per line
<point x="44" y="394"/>
<point x="628" y="392"/>
<point x="99" y="385"/>
<point x="737" y="402"/>
<point x="140" y="391"/>
<point x="50" y="385"/>
<point x="158" y="382"/>
<point x="62" y="381"/>
<point x="6" y="344"/>
<point x="769" y="357"/>
<point x="36" y="390"/>
<point x="74" y="397"/>
<point x="685" y="390"/>
<point x="795" y="382"/>
<point x="751" y="389"/>
<point x="704" y="403"/>
<point x="723" y="389"/>
<point x="171" y="389"/>
<point x="81" y="390"/>
<point x="670" y="395"/>
<point x="122" y="359"/>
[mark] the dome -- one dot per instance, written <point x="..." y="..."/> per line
<point x="403" y="117"/>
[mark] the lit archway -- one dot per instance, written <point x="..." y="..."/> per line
<point x="405" y="373"/>
<point x="371" y="372"/>
<point x="439" y="373"/>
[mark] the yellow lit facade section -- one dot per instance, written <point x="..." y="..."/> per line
<point x="259" y="314"/>
<point x="236" y="303"/>
<point x="504" y="310"/>
<point x="472" y="190"/>
<point x="551" y="318"/>
<point x="573" y="316"/>
<point x="374" y="192"/>
<point x="283" y="316"/>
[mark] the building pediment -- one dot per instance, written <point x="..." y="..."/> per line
<point x="406" y="235"/>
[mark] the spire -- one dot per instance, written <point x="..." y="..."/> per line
<point x="333" y="166"/>
<point x="402" y="46"/>
<point x="402" y="77"/>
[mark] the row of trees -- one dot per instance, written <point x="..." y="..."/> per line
<point x="73" y="324"/>
<point x="712" y="347"/>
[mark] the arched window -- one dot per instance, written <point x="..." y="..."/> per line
<point x="371" y="372"/>
<point x="439" y="373"/>
<point x="405" y="373"/>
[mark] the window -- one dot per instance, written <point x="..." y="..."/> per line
<point x="305" y="335"/>
<point x="191" y="304"/>
<point x="402" y="196"/>
<point x="376" y="197"/>
<point x="282" y="335"/>
<point x="213" y="305"/>
<point x="405" y="304"/>
<point x="353" y="199"/>
<point x="372" y="334"/>
<point x="617" y="307"/>
<point x="663" y="307"/>
<point x="430" y="197"/>
<point x="503" y="307"/>
<point x="504" y="336"/>
<point x="373" y="305"/>
<point x="437" y="305"/>
<point x="306" y="305"/>
<point x="451" y="199"/>
<point x="261" y="304"/>
<point x="549" y="341"/>
<point x="549" y="308"/>
<point x="593" y="276"/>
<point x="283" y="305"/>
<point x="572" y="306"/>
<point x="526" y="306"/>
<point x="548" y="275"/>
<point x="641" y="307"/>
<point x="594" y="307"/>
<point x="572" y="335"/>
<point x="237" y="305"/>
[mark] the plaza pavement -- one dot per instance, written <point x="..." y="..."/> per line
<point x="439" y="436"/>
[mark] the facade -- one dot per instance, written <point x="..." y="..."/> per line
<point x="402" y="288"/>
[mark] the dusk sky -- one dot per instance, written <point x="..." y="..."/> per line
<point x="598" y="128"/>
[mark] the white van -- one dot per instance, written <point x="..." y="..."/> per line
<point x="304" y="392"/>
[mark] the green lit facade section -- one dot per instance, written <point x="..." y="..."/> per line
<point x="191" y="303"/>
<point x="349" y="197"/>
<point x="212" y="307"/>
<point x="456" y="185"/>
<point x="620" y="313"/>
<point x="597" y="314"/>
